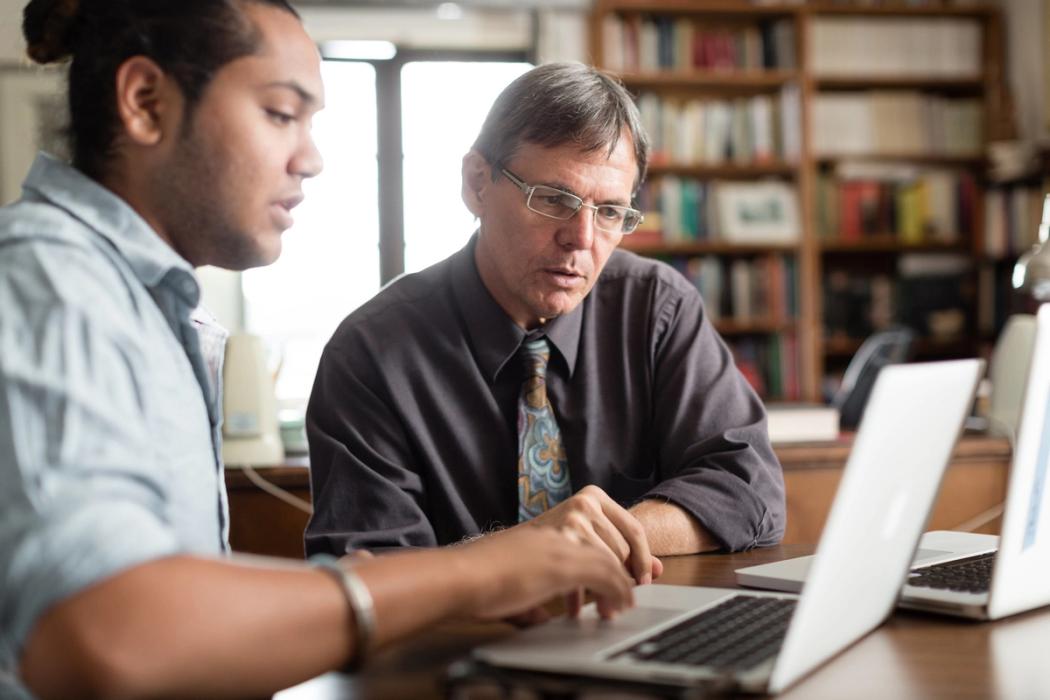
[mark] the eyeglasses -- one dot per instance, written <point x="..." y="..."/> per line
<point x="556" y="204"/>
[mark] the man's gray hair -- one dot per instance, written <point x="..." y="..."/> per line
<point x="562" y="103"/>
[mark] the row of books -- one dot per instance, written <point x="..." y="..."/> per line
<point x="932" y="205"/>
<point x="743" y="290"/>
<point x="912" y="46"/>
<point x="645" y="43"/>
<point x="895" y="122"/>
<point x="746" y="130"/>
<point x="770" y="365"/>
<point x="857" y="305"/>
<point x="930" y="293"/>
<point x="1011" y="220"/>
<point x="685" y="209"/>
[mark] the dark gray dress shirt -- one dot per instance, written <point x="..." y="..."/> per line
<point x="412" y="418"/>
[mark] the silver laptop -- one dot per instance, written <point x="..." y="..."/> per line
<point x="764" y="642"/>
<point x="968" y="574"/>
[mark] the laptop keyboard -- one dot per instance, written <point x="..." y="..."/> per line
<point x="737" y="634"/>
<point x="969" y="575"/>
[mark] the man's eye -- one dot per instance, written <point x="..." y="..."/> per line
<point x="280" y="117"/>
<point x="610" y="213"/>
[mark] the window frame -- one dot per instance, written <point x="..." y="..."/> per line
<point x="389" y="142"/>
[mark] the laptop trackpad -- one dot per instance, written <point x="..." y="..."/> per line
<point x="587" y="635"/>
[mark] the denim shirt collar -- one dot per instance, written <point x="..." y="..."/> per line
<point x="152" y="260"/>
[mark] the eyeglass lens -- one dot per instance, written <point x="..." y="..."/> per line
<point x="562" y="205"/>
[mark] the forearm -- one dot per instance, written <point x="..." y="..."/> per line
<point x="205" y="628"/>
<point x="671" y="530"/>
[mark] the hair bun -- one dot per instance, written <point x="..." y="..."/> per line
<point x="48" y="29"/>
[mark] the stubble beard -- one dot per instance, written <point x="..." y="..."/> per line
<point x="197" y="210"/>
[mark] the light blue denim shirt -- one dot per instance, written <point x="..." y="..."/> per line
<point x="109" y="415"/>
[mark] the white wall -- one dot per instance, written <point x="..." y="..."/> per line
<point x="12" y="46"/>
<point x="476" y="29"/>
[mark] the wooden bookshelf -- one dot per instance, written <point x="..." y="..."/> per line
<point x="813" y="254"/>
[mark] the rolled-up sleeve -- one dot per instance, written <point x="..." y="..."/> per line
<point x="365" y="493"/>
<point x="79" y="496"/>
<point x="716" y="461"/>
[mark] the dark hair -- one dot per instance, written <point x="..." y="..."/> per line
<point x="189" y="39"/>
<point x="559" y="103"/>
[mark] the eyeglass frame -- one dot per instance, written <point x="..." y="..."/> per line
<point x="528" y="190"/>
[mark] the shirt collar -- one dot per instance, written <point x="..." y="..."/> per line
<point x="151" y="259"/>
<point x="493" y="335"/>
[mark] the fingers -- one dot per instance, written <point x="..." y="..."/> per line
<point x="356" y="556"/>
<point x="606" y="578"/>
<point x="574" y="602"/>
<point x="595" y="516"/>
<point x="658" y="568"/>
<point x="590" y="567"/>
<point x="639" y="559"/>
<point x="533" y="616"/>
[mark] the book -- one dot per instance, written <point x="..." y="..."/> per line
<point x="800" y="422"/>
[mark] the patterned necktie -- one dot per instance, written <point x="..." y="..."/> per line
<point x="543" y="471"/>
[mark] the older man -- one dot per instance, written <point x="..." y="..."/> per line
<point x="540" y="375"/>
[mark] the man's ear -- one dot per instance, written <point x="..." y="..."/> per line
<point x="477" y="179"/>
<point x="148" y="101"/>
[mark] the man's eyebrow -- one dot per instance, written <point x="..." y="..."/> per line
<point x="304" y="94"/>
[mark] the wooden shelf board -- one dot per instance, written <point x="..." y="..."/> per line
<point x="707" y="248"/>
<point x="890" y="244"/>
<point x="924" y="158"/>
<point x="727" y="170"/>
<point x="707" y="8"/>
<point x="904" y="82"/>
<point x="901" y="10"/>
<point x="738" y="80"/>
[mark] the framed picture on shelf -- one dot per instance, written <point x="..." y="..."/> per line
<point x="33" y="117"/>
<point x="757" y="212"/>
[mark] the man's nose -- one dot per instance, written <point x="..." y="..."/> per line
<point x="578" y="232"/>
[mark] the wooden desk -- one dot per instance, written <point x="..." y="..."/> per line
<point x="975" y="481"/>
<point x="911" y="656"/>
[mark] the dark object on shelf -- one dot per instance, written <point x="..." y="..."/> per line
<point x="884" y="348"/>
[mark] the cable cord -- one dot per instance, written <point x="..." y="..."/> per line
<point x="276" y="491"/>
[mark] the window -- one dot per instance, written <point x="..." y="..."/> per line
<point x="333" y="256"/>
<point x="435" y="139"/>
<point x="330" y="259"/>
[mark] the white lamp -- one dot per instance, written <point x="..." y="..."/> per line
<point x="1032" y="271"/>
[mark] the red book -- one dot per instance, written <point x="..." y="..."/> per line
<point x="849" y="211"/>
